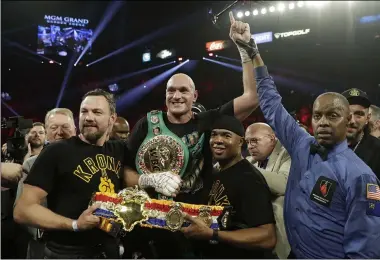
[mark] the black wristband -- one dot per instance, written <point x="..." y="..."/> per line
<point x="215" y="237"/>
<point x="250" y="47"/>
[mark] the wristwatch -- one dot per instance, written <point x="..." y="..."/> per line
<point x="215" y="237"/>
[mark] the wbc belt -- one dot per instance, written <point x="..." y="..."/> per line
<point x="161" y="150"/>
<point x="121" y="212"/>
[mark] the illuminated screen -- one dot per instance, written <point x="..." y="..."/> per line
<point x="53" y="39"/>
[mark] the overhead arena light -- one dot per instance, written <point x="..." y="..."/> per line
<point x="164" y="54"/>
<point x="62" y="53"/>
<point x="281" y="7"/>
<point x="113" y="87"/>
<point x="146" y="57"/>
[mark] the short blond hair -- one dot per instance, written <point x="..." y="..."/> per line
<point x="58" y="110"/>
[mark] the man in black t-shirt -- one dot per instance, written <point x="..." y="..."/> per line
<point x="251" y="233"/>
<point x="180" y="120"/>
<point x="359" y="139"/>
<point x="180" y="96"/>
<point x="67" y="173"/>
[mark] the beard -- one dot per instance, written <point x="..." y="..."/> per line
<point x="356" y="134"/>
<point x="92" y="137"/>
<point x="35" y="142"/>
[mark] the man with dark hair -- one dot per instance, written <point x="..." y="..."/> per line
<point x="359" y="137"/>
<point x="332" y="202"/>
<point x="35" y="140"/>
<point x="241" y="186"/>
<point x="67" y="173"/>
<point x="374" y="121"/>
<point x="106" y="95"/>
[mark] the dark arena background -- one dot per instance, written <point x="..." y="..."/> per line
<point x="53" y="52"/>
<point x="309" y="47"/>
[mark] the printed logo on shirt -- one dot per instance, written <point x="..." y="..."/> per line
<point x="325" y="187"/>
<point x="217" y="196"/>
<point x="323" y="191"/>
<point x="373" y="191"/>
<point x="373" y="208"/>
<point x="191" y="139"/>
<point x="101" y="164"/>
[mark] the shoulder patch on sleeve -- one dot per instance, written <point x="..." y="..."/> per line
<point x="373" y="192"/>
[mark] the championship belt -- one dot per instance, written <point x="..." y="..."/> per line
<point x="121" y="212"/>
<point x="161" y="150"/>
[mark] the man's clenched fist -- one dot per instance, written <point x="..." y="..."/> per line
<point x="11" y="172"/>
<point x="165" y="183"/>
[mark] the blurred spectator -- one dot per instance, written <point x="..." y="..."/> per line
<point x="374" y="121"/>
<point x="273" y="161"/>
<point x="359" y="139"/>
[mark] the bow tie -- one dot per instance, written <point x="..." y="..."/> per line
<point x="322" y="151"/>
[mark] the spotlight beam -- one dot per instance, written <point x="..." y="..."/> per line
<point x="112" y="9"/>
<point x="134" y="95"/>
<point x="129" y="75"/>
<point x="227" y="58"/>
<point x="17" y="45"/>
<point x="9" y="108"/>
<point x="23" y="56"/>
<point x="160" y="32"/>
<point x="224" y="64"/>
<point x="65" y="80"/>
<point x="17" y="29"/>
<point x="305" y="87"/>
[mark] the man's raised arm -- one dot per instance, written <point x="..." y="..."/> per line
<point x="284" y="125"/>
<point x="245" y="104"/>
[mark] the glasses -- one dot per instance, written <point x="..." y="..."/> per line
<point x="255" y="141"/>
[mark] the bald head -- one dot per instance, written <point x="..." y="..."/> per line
<point x="181" y="79"/>
<point x="260" y="128"/>
<point x="331" y="115"/>
<point x="261" y="141"/>
<point x="120" y="129"/>
<point x="180" y="96"/>
<point x="122" y="121"/>
<point x="333" y="99"/>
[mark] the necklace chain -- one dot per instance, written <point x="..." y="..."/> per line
<point x="360" y="139"/>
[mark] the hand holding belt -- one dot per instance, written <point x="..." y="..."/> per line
<point x="119" y="213"/>
<point x="170" y="215"/>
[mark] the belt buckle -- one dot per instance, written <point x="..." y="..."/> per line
<point x="175" y="218"/>
<point x="205" y="216"/>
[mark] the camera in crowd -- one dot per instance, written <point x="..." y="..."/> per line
<point x="16" y="146"/>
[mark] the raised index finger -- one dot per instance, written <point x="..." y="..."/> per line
<point x="232" y="19"/>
